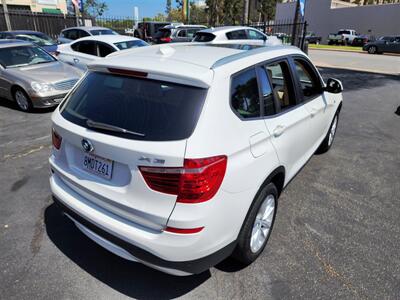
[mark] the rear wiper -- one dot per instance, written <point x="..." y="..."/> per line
<point x="103" y="126"/>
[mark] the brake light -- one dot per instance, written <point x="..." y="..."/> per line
<point x="57" y="139"/>
<point x="128" y="72"/>
<point x="197" y="181"/>
<point x="166" y="39"/>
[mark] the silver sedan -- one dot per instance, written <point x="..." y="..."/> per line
<point x="32" y="77"/>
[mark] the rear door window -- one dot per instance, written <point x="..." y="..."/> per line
<point x="237" y="35"/>
<point x="310" y="84"/>
<point x="204" y="37"/>
<point x="87" y="47"/>
<point x="255" y="35"/>
<point x="105" y="49"/>
<point x="159" y="111"/>
<point x="245" y="97"/>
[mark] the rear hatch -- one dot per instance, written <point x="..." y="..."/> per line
<point x="113" y="124"/>
<point x="163" y="35"/>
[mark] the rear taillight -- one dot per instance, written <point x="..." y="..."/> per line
<point x="55" y="53"/>
<point x="56" y="138"/>
<point x="184" y="230"/>
<point x="166" y="39"/>
<point x="197" y="181"/>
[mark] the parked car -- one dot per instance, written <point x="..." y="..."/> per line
<point x="175" y="156"/>
<point x="38" y="38"/>
<point x="147" y="30"/>
<point x="389" y="44"/>
<point x="312" y="38"/>
<point x="176" y="34"/>
<point x="73" y="33"/>
<point x="362" y="39"/>
<point x="31" y="77"/>
<point x="86" y="50"/>
<point x="234" y="33"/>
<point x="343" y="37"/>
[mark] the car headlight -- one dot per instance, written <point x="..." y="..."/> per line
<point x="41" y="87"/>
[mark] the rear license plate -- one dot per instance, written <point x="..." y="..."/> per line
<point x="99" y="166"/>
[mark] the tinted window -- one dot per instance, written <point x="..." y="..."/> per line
<point x="163" y="33"/>
<point x="182" y="33"/>
<point x="130" y="44"/>
<point x="255" y="35"/>
<point x="82" y="33"/>
<point x="87" y="47"/>
<point x="162" y="111"/>
<point x="309" y="81"/>
<point x="237" y="35"/>
<point x="266" y="93"/>
<point x="204" y="37"/>
<point x="102" y="32"/>
<point x="191" y="32"/>
<point x="245" y="98"/>
<point x="105" y="49"/>
<point x="282" y="84"/>
<point x="344" y="32"/>
<point x="71" y="34"/>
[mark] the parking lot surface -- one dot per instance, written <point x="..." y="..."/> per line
<point x="337" y="234"/>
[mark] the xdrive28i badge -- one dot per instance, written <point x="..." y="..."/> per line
<point x="87" y="146"/>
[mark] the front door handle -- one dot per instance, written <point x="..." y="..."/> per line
<point x="279" y="130"/>
<point x="76" y="60"/>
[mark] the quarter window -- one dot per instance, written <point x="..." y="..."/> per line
<point x="105" y="49"/>
<point x="309" y="82"/>
<point x="266" y="93"/>
<point x="282" y="85"/>
<point x="245" y="97"/>
<point x="255" y="35"/>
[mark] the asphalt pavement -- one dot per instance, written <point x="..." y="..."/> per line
<point x="337" y="234"/>
<point x="378" y="63"/>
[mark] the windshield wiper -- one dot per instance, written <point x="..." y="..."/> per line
<point x="103" y="126"/>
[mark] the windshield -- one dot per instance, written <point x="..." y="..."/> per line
<point x="19" y="56"/>
<point x="103" y="32"/>
<point x="135" y="108"/>
<point x="38" y="39"/>
<point x="131" y="44"/>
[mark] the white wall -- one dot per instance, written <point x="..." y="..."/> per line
<point x="379" y="19"/>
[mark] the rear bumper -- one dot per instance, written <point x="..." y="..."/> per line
<point x="195" y="266"/>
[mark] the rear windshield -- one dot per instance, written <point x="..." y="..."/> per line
<point x="204" y="37"/>
<point x="163" y="32"/>
<point x="156" y="110"/>
<point x="103" y="32"/>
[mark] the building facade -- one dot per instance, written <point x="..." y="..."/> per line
<point x="45" y="6"/>
<point x="323" y="18"/>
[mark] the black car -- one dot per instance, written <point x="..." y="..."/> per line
<point x="312" y="38"/>
<point x="389" y="44"/>
<point x="361" y="40"/>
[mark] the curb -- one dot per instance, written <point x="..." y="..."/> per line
<point x="322" y="65"/>
<point x="353" y="51"/>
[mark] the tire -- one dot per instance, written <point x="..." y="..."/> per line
<point x="22" y="99"/>
<point x="258" y="223"/>
<point x="372" y="50"/>
<point x="330" y="136"/>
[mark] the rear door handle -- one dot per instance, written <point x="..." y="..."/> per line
<point x="279" y="130"/>
<point x="76" y="60"/>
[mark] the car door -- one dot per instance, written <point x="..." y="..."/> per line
<point x="319" y="105"/>
<point x="290" y="125"/>
<point x="84" y="52"/>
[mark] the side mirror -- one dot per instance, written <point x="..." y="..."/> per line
<point x="333" y="86"/>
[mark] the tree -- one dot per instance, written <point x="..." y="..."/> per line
<point x="159" y="17"/>
<point x="95" y="8"/>
<point x="168" y="8"/>
<point x="175" y="15"/>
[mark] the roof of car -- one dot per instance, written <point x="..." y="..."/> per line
<point x="108" y="38"/>
<point x="13" y="43"/>
<point x="192" y="61"/>
<point x="87" y="28"/>
<point x="23" y="32"/>
<point x="224" y="29"/>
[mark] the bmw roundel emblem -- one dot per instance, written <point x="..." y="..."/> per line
<point x="87" y="146"/>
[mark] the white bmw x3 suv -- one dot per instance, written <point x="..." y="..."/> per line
<point x="175" y="156"/>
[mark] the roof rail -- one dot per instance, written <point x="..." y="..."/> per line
<point x="252" y="50"/>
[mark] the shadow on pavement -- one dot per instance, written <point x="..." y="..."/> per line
<point x="12" y="105"/>
<point x="357" y="80"/>
<point x="129" y="278"/>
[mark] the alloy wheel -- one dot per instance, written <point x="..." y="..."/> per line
<point x="22" y="101"/>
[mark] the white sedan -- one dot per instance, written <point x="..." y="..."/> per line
<point x="236" y="34"/>
<point x="88" y="49"/>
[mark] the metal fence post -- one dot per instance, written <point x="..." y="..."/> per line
<point x="6" y="15"/>
<point x="304" y="35"/>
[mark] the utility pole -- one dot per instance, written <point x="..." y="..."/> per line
<point x="246" y="12"/>
<point x="6" y="15"/>
<point x="295" y="21"/>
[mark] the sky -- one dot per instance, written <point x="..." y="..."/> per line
<point x="124" y="8"/>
